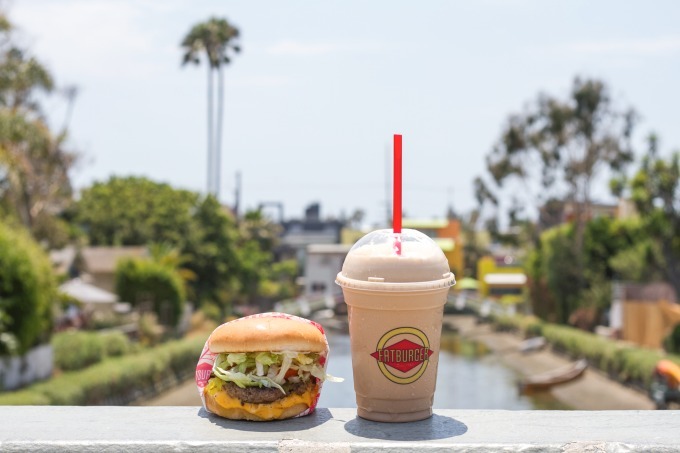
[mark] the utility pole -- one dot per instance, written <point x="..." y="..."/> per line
<point x="237" y="194"/>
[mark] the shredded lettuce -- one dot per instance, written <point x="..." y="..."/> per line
<point x="319" y="373"/>
<point x="236" y="358"/>
<point x="287" y="362"/>
<point x="268" y="369"/>
<point x="267" y="358"/>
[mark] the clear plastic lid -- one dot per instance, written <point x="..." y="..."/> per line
<point x="374" y="261"/>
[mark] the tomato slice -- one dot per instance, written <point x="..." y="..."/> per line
<point x="290" y="372"/>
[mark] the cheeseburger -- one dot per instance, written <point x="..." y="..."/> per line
<point x="266" y="367"/>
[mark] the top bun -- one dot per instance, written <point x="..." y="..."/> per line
<point x="266" y="333"/>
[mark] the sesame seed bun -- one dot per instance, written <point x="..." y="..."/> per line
<point x="266" y="333"/>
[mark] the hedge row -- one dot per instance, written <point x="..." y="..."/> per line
<point x="115" y="380"/>
<point x="78" y="350"/>
<point x="628" y="364"/>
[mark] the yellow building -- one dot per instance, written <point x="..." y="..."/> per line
<point x="501" y="277"/>
<point x="446" y="233"/>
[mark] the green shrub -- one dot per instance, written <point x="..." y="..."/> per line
<point x="77" y="350"/>
<point x="27" y="290"/>
<point x="529" y="326"/>
<point x="24" y="398"/>
<point x="212" y="312"/>
<point x="116" y="343"/>
<point x="122" y="378"/>
<point x="144" y="282"/>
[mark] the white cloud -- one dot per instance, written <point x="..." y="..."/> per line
<point x="105" y="39"/>
<point x="311" y="49"/>
<point x="641" y="46"/>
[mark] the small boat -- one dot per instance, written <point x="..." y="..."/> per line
<point x="533" y="344"/>
<point x="545" y="381"/>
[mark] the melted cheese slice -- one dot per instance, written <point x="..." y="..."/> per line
<point x="265" y="411"/>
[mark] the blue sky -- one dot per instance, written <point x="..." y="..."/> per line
<point x="312" y="102"/>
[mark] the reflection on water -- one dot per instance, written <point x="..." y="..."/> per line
<point x="469" y="381"/>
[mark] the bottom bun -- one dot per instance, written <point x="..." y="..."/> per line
<point x="222" y="404"/>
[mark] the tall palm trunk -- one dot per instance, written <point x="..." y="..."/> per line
<point x="218" y="128"/>
<point x="210" y="131"/>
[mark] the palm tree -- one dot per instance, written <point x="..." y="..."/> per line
<point x="216" y="39"/>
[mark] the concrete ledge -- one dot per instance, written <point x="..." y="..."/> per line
<point x="155" y="429"/>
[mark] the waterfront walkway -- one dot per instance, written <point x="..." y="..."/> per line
<point x="593" y="391"/>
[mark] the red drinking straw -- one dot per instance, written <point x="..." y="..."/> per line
<point x="396" y="197"/>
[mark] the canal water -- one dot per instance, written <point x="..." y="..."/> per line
<point x="470" y="381"/>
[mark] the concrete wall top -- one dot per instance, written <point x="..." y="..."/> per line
<point x="153" y="429"/>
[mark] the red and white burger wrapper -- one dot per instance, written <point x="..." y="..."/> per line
<point x="207" y="360"/>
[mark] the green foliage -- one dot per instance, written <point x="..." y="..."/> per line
<point x="557" y="144"/>
<point x="148" y="284"/>
<point x="672" y="341"/>
<point x="212" y="312"/>
<point x="216" y="38"/>
<point x="34" y="181"/>
<point x="192" y="236"/>
<point x="114" y="381"/>
<point x="555" y="266"/>
<point x="116" y="343"/>
<point x="77" y="350"/>
<point x="553" y="270"/>
<point x="27" y="289"/>
<point x="656" y="193"/>
<point x="135" y="211"/>
<point x="150" y="332"/>
<point x="259" y="277"/>
<point x="211" y="254"/>
<point x="526" y="325"/>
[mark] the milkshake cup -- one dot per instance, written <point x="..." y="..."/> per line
<point x="395" y="287"/>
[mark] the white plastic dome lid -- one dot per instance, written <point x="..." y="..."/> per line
<point x="375" y="261"/>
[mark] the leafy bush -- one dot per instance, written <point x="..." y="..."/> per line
<point x="115" y="343"/>
<point x="526" y="325"/>
<point x="27" y="290"/>
<point x="116" y="380"/>
<point x="145" y="282"/>
<point x="150" y="332"/>
<point x="77" y="350"/>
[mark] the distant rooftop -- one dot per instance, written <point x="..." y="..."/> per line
<point x="424" y="223"/>
<point x="104" y="259"/>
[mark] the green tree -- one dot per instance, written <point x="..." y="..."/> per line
<point x="258" y="238"/>
<point x="216" y="40"/>
<point x="192" y="235"/>
<point x="656" y="193"/>
<point x="34" y="162"/>
<point x="558" y="148"/>
<point x="211" y="254"/>
<point x="27" y="291"/>
<point x="553" y="266"/>
<point x="153" y="286"/>
<point x="135" y="211"/>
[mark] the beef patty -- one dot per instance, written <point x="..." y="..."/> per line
<point x="258" y="395"/>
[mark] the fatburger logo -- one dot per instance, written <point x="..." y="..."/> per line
<point x="403" y="354"/>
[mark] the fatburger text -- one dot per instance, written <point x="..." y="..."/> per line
<point x="403" y="356"/>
